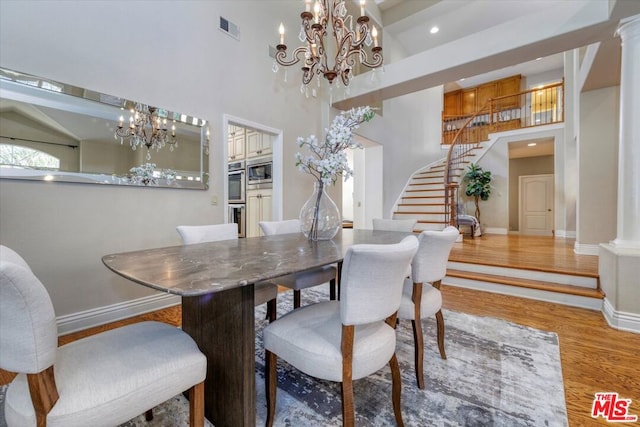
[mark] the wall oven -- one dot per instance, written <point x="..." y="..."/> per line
<point x="236" y="182"/>
<point x="237" y="215"/>
<point x="259" y="173"/>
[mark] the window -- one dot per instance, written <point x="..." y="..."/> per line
<point x="24" y="157"/>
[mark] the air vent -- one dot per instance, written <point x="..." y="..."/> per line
<point x="229" y="28"/>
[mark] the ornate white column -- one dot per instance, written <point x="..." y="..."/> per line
<point x="619" y="260"/>
<point x="628" y="233"/>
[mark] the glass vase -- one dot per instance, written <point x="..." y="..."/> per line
<point x="319" y="217"/>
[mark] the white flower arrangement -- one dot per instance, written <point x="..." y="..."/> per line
<point x="328" y="159"/>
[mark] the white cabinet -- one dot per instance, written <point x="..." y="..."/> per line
<point x="259" y="204"/>
<point x="236" y="143"/>
<point x="258" y="144"/>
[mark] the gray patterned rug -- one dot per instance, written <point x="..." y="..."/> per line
<point x="497" y="374"/>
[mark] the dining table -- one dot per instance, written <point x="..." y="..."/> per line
<point x="215" y="281"/>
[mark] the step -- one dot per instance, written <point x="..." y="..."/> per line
<point x="415" y="199"/>
<point x="527" y="283"/>
<point x="427" y="186"/>
<point x="421" y="209"/>
<point x="425" y="179"/>
<point x="587" y="281"/>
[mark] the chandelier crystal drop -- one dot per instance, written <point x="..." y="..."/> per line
<point x="349" y="47"/>
<point x="147" y="128"/>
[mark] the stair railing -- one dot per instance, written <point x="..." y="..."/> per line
<point x="534" y="107"/>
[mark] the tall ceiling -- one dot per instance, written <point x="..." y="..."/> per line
<point x="468" y="24"/>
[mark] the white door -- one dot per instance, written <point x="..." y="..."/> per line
<point x="367" y="183"/>
<point x="536" y="204"/>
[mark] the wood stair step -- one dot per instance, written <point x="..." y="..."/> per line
<point x="526" y="283"/>
<point x="421" y="204"/>
<point x="424" y="221"/>
<point x="422" y="197"/>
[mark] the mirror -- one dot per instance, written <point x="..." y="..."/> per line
<point x="52" y="131"/>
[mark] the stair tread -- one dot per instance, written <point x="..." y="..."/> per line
<point x="528" y="283"/>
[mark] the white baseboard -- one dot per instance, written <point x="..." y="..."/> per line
<point x="585" y="249"/>
<point x="110" y="313"/>
<point x="495" y="230"/>
<point x="566" y="233"/>
<point x="629" y="322"/>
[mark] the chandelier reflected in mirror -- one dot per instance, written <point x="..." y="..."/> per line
<point x="349" y="45"/>
<point x="147" y="127"/>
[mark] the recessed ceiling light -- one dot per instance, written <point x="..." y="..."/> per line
<point x="434" y="30"/>
<point x="538" y="59"/>
<point x="461" y="80"/>
<point x="531" y="144"/>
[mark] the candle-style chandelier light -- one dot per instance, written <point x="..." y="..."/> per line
<point x="147" y="128"/>
<point x="330" y="17"/>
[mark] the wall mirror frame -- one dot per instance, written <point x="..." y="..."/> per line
<point x="51" y="131"/>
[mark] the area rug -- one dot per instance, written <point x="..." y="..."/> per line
<point x="497" y="374"/>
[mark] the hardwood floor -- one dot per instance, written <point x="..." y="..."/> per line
<point x="594" y="356"/>
<point x="540" y="253"/>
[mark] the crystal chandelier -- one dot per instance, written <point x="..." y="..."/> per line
<point x="330" y="16"/>
<point x="141" y="119"/>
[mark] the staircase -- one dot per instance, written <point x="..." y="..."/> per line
<point x="423" y="198"/>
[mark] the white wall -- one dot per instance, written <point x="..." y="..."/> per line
<point x="410" y="132"/>
<point x="170" y="55"/>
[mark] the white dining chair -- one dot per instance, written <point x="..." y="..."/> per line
<point x="421" y="296"/>
<point x="101" y="380"/>
<point x="348" y="339"/>
<point x="406" y="225"/>
<point x="305" y="279"/>
<point x="263" y="292"/>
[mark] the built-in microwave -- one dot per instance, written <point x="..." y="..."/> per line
<point x="259" y="171"/>
<point x="236" y="182"/>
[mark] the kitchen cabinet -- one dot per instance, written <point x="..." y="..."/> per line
<point x="236" y="143"/>
<point x="258" y="144"/>
<point x="259" y="206"/>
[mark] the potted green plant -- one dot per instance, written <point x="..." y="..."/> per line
<point x="478" y="185"/>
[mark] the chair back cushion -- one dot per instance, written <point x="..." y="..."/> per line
<point x="191" y="234"/>
<point x="28" y="331"/>
<point x="372" y="278"/>
<point x="270" y="228"/>
<point x="394" y="224"/>
<point x="430" y="263"/>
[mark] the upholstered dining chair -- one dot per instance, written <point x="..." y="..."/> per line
<point x="102" y="380"/>
<point x="263" y="292"/>
<point x="394" y="224"/>
<point x="421" y="297"/>
<point x="305" y="279"/>
<point x="348" y="339"/>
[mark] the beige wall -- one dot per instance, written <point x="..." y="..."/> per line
<point x="182" y="63"/>
<point x="598" y="164"/>
<point x="524" y="166"/>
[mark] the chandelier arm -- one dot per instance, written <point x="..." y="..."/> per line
<point x="281" y="55"/>
<point x="376" y="58"/>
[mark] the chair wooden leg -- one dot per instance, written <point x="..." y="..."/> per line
<point x="332" y="290"/>
<point x="440" y="325"/>
<point x="418" y="351"/>
<point x="418" y="342"/>
<point x="296" y="299"/>
<point x="396" y="388"/>
<point x="196" y="405"/>
<point x="148" y="416"/>
<point x="270" y="379"/>
<point x="44" y="394"/>
<point x="272" y="310"/>
<point x="348" y="411"/>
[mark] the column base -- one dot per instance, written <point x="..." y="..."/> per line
<point x="619" y="269"/>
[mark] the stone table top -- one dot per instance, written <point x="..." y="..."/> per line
<point x="191" y="270"/>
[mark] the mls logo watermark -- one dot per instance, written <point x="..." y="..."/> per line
<point x="612" y="408"/>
